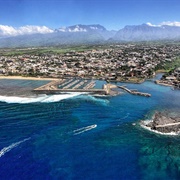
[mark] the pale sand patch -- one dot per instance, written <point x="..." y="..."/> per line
<point x="28" y="78"/>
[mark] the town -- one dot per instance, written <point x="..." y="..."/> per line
<point x="118" y="62"/>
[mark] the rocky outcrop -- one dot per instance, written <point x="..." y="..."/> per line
<point x="164" y="123"/>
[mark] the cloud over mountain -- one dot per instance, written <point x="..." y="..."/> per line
<point x="6" y="31"/>
<point x="27" y="36"/>
<point x="82" y="28"/>
<point x="169" y="23"/>
<point x="149" y="32"/>
<point x="166" y="23"/>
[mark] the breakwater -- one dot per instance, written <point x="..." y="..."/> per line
<point x="134" y="92"/>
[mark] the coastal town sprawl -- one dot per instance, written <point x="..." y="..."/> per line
<point x="125" y="62"/>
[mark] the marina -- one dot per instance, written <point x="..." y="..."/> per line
<point x="81" y="85"/>
<point x="71" y="85"/>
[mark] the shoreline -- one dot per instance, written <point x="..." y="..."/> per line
<point x="163" y="84"/>
<point x="51" y="79"/>
<point x="28" y="78"/>
<point x="134" y="80"/>
<point x="144" y="123"/>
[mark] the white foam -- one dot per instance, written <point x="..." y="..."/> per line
<point x="96" y="100"/>
<point x="144" y="125"/>
<point x="42" y="98"/>
<point x="84" y="129"/>
<point x="13" y="145"/>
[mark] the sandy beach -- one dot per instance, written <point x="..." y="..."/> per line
<point x="28" y="78"/>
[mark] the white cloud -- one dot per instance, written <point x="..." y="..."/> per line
<point x="34" y="29"/>
<point x="167" y="23"/>
<point x="11" y="31"/>
<point x="62" y="29"/>
<point x="7" y="30"/>
<point x="77" y="29"/>
<point x="150" y="24"/>
<point x="92" y="27"/>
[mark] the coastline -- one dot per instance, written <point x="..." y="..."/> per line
<point x="163" y="122"/>
<point x="163" y="84"/>
<point x="143" y="124"/>
<point x="133" y="80"/>
<point x="136" y="81"/>
<point x="28" y="78"/>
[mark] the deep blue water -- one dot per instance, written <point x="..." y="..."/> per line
<point x="53" y="137"/>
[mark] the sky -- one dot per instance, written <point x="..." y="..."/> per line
<point x="112" y="14"/>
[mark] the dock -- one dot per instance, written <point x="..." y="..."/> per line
<point x="70" y="85"/>
<point x="134" y="92"/>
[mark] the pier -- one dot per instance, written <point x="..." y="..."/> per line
<point x="134" y="92"/>
<point x="71" y="85"/>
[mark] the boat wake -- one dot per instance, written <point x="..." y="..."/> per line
<point x="42" y="99"/>
<point x="126" y="116"/>
<point x="9" y="148"/>
<point x="84" y="129"/>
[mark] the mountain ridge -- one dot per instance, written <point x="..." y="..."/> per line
<point x="146" y="32"/>
<point x="92" y="34"/>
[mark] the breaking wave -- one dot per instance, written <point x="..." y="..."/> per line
<point x="90" y="98"/>
<point x="41" y="99"/>
<point x="84" y="129"/>
<point x="143" y="124"/>
<point x="9" y="148"/>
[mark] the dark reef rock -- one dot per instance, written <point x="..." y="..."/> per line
<point x="164" y="123"/>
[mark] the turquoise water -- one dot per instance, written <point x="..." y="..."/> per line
<point x="79" y="136"/>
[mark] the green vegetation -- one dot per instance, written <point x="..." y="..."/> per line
<point x="45" y="50"/>
<point x="168" y="66"/>
<point x="171" y="65"/>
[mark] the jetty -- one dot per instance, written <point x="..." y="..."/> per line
<point x="134" y="92"/>
<point x="72" y="85"/>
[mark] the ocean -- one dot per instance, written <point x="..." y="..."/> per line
<point x="79" y="136"/>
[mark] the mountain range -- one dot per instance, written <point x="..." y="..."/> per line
<point x="147" y="32"/>
<point x="90" y="34"/>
